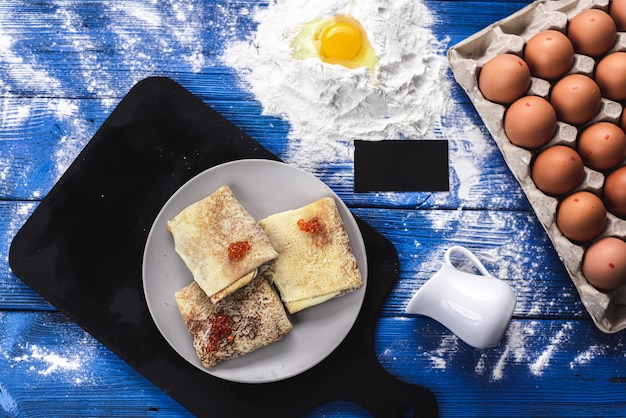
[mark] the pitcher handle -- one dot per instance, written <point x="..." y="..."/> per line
<point x="469" y="255"/>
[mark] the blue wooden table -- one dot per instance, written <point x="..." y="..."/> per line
<point x="64" y="65"/>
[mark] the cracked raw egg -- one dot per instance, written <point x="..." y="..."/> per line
<point x="337" y="40"/>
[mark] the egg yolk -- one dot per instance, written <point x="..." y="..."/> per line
<point x="340" y="40"/>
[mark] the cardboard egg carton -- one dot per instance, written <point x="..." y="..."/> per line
<point x="607" y="309"/>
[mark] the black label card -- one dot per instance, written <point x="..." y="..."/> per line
<point x="401" y="166"/>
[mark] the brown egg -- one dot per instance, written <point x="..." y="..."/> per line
<point x="602" y="145"/>
<point x="622" y="123"/>
<point x="549" y="54"/>
<point x="618" y="13"/>
<point x="530" y="122"/>
<point x="557" y="170"/>
<point x="614" y="193"/>
<point x="611" y="76"/>
<point x="576" y="99"/>
<point x="504" y="78"/>
<point x="581" y="216"/>
<point x="592" y="32"/>
<point x="604" y="263"/>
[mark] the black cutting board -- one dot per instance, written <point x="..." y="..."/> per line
<point x="82" y="250"/>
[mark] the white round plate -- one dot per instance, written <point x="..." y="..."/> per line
<point x="263" y="187"/>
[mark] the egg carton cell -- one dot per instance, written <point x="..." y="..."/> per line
<point x="510" y="36"/>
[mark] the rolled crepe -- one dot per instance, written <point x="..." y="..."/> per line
<point x="249" y="319"/>
<point x="315" y="261"/>
<point x="203" y="233"/>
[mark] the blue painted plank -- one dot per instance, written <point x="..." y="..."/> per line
<point x="459" y="19"/>
<point x="39" y="139"/>
<point x="543" y="365"/>
<point x="15" y="294"/>
<point x="541" y="368"/>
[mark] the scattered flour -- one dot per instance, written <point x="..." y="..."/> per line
<point x="18" y="216"/>
<point x="7" y="403"/>
<point x="27" y="72"/>
<point x="174" y="27"/>
<point x="440" y="356"/>
<point x="31" y="75"/>
<point x="328" y="106"/>
<point x="519" y="347"/>
<point x="52" y="362"/>
<point x="470" y="148"/>
<point x="514" y="349"/>
<point x="588" y="355"/>
<point x="333" y="106"/>
<point x="538" y="366"/>
<point x="71" y="366"/>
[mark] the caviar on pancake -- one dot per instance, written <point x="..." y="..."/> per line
<point x="238" y="250"/>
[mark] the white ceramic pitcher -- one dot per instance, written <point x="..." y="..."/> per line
<point x="477" y="308"/>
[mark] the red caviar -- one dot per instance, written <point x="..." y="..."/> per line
<point x="220" y="328"/>
<point x="312" y="226"/>
<point x="238" y="249"/>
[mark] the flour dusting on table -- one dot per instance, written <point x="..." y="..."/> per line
<point x="328" y="106"/>
<point x="588" y="355"/>
<point x="71" y="366"/>
<point x="514" y="349"/>
<point x="440" y="356"/>
<point x="52" y="362"/>
<point x="543" y="361"/>
<point x="7" y="403"/>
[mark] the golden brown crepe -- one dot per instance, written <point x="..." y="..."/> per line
<point x="203" y="233"/>
<point x="251" y="318"/>
<point x="315" y="261"/>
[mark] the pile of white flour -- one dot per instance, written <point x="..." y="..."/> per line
<point x="329" y="106"/>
